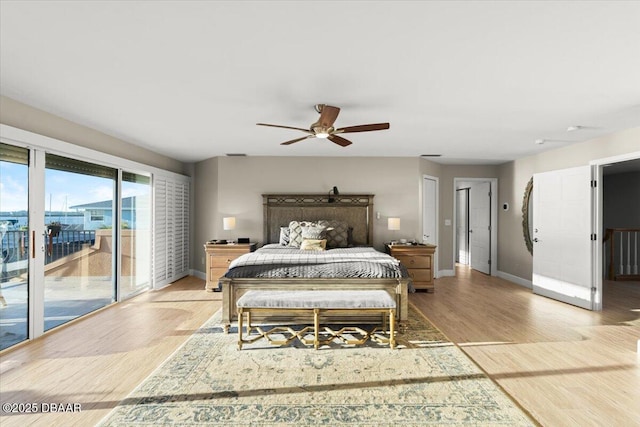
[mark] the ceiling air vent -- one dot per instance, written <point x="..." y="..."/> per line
<point x="236" y="155"/>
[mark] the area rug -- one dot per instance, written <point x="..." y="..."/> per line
<point x="425" y="381"/>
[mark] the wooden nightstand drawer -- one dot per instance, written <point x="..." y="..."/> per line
<point x="218" y="258"/>
<point x="411" y="261"/>
<point x="216" y="273"/>
<point x="421" y="275"/>
<point x="222" y="261"/>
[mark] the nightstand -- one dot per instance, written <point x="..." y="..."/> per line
<point x="218" y="258"/>
<point x="419" y="262"/>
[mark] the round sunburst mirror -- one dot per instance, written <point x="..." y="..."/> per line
<point x="527" y="216"/>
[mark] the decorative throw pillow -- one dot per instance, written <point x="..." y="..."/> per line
<point x="313" y="232"/>
<point x="337" y="233"/>
<point x="313" y="245"/>
<point x="284" y="236"/>
<point x="295" y="231"/>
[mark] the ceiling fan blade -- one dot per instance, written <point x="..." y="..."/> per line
<point x="363" y="128"/>
<point x="297" y="140"/>
<point x="328" y="115"/>
<point x="284" y="127"/>
<point x="339" y="140"/>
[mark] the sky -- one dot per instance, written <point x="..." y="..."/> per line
<point x="62" y="189"/>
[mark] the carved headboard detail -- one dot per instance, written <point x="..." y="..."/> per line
<point x="355" y="209"/>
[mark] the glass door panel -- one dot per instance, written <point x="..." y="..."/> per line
<point x="15" y="245"/>
<point x="80" y="214"/>
<point x="135" y="234"/>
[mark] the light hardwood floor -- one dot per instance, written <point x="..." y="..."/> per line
<point x="99" y="360"/>
<point x="565" y="365"/>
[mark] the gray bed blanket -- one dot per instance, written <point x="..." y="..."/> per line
<point x="276" y="261"/>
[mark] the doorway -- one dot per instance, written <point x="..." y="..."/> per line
<point x="462" y="226"/>
<point x="430" y="215"/>
<point x="618" y="186"/>
<point x="621" y="220"/>
<point x="568" y="256"/>
<point x="475" y="203"/>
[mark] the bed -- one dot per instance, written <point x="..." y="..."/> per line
<point x="350" y="264"/>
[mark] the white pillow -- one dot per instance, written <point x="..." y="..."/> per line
<point x="284" y="236"/>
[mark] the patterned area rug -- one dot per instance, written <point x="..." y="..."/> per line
<point x="426" y="381"/>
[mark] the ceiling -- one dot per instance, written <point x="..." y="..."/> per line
<point x="477" y="82"/>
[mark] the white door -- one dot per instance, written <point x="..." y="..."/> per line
<point x="462" y="226"/>
<point x="430" y="215"/>
<point x="430" y="211"/>
<point x="480" y="226"/>
<point x="562" y="227"/>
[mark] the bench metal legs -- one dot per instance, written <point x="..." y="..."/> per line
<point x="392" y="334"/>
<point x="301" y="334"/>
<point x="316" y="328"/>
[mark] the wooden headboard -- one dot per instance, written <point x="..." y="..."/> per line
<point x="355" y="209"/>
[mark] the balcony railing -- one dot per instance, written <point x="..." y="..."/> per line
<point x="15" y="248"/>
<point x="621" y="253"/>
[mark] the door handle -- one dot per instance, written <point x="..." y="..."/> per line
<point x="50" y="244"/>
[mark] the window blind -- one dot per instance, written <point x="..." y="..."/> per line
<point x="13" y="154"/>
<point x="78" y="166"/>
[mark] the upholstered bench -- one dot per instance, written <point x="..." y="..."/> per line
<point x="316" y="302"/>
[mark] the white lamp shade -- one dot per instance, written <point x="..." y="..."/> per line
<point x="393" y="223"/>
<point x="229" y="222"/>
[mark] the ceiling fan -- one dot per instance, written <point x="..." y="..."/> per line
<point x="323" y="128"/>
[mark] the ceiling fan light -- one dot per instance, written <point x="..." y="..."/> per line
<point x="322" y="135"/>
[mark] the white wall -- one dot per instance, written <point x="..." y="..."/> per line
<point x="22" y="116"/>
<point x="233" y="186"/>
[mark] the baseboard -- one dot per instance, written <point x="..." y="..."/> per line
<point x="578" y="302"/>
<point x="444" y="273"/>
<point x="515" y="279"/>
<point x="198" y="274"/>
<point x="164" y="283"/>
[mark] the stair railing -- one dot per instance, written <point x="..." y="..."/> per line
<point x="623" y="248"/>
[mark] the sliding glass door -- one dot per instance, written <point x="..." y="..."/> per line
<point x="77" y="232"/>
<point x="135" y="231"/>
<point x="15" y="245"/>
<point x="80" y="218"/>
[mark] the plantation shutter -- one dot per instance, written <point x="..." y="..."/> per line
<point x="171" y="229"/>
<point x="181" y="227"/>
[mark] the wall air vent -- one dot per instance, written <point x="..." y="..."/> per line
<point x="430" y="155"/>
<point x="236" y="155"/>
